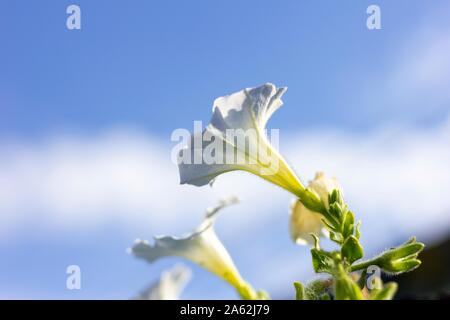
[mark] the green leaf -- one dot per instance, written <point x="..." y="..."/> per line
<point x="347" y="289"/>
<point x="325" y="296"/>
<point x="351" y="250"/>
<point x="357" y="230"/>
<point x="299" y="291"/>
<point x="316" y="241"/>
<point x="386" y="293"/>
<point x="328" y="225"/>
<point x="348" y="224"/>
<point x="336" y="237"/>
<point x="411" y="240"/>
<point x="322" y="261"/>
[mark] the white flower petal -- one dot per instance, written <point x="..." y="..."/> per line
<point x="202" y="247"/>
<point x="169" y="286"/>
<point x="250" y="108"/>
<point x="201" y="172"/>
<point x="245" y="113"/>
<point x="225" y="202"/>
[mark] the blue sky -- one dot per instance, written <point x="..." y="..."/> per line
<point x="77" y="106"/>
<point x="157" y="57"/>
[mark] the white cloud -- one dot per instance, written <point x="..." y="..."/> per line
<point x="393" y="177"/>
<point x="70" y="181"/>
<point x="390" y="177"/>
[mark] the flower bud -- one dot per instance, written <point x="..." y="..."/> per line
<point x="305" y="221"/>
<point x="401" y="259"/>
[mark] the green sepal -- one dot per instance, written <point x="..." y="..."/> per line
<point x="402" y="266"/>
<point x="311" y="201"/>
<point x="403" y="251"/>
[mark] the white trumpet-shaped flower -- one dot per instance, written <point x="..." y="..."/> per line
<point x="202" y="247"/>
<point x="303" y="221"/>
<point x="235" y="139"/>
<point x="169" y="286"/>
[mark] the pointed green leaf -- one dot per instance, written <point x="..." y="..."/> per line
<point x="299" y="291"/>
<point x="351" y="250"/>
<point x="386" y="293"/>
<point x="347" y="289"/>
<point x="358" y="230"/>
<point x="322" y="261"/>
<point x="349" y="224"/>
